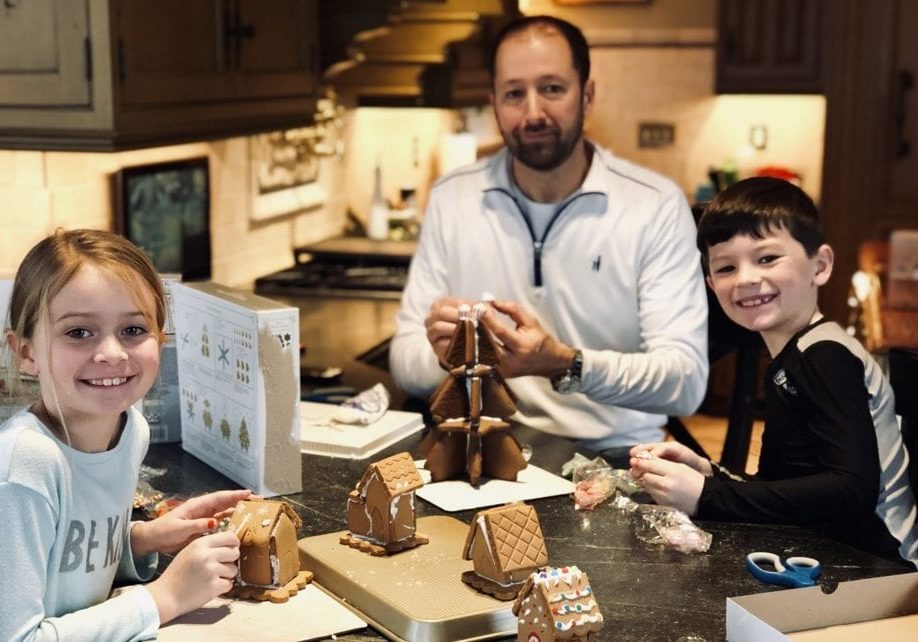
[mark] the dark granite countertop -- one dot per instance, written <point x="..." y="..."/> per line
<point x="645" y="592"/>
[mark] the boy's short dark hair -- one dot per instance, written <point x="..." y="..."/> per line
<point x="580" y="50"/>
<point x="756" y="206"/>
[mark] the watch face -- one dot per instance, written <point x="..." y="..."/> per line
<point x="566" y="384"/>
<point x="570" y="381"/>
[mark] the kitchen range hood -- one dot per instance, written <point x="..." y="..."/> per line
<point x="413" y="53"/>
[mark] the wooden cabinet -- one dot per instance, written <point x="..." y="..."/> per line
<point x="43" y="55"/>
<point x="871" y="156"/>
<point x="770" y="46"/>
<point x="115" y="74"/>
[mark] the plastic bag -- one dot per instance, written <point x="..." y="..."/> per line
<point x="671" y="528"/>
<point x="593" y="483"/>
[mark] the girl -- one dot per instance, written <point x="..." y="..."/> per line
<point x="86" y="316"/>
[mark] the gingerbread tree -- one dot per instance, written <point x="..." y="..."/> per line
<point x="471" y="437"/>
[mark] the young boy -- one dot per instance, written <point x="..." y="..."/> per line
<point x="832" y="454"/>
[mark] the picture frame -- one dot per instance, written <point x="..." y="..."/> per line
<point x="284" y="173"/>
<point x="164" y="209"/>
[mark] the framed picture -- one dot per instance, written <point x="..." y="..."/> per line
<point x="285" y="172"/>
<point x="165" y="210"/>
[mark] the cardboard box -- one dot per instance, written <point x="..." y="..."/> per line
<point x="902" y="286"/>
<point x="6" y="291"/>
<point x="880" y="608"/>
<point x="238" y="368"/>
<point x="162" y="406"/>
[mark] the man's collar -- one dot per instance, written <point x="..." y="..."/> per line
<point x="500" y="178"/>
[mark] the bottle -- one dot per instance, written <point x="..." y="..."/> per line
<point x="378" y="218"/>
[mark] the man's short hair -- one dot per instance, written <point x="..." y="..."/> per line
<point x="756" y="206"/>
<point x="580" y="50"/>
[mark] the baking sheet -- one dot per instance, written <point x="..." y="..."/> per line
<point x="415" y="595"/>
<point x="456" y="494"/>
<point x="310" y="614"/>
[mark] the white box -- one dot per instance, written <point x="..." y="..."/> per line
<point x="902" y="284"/>
<point x="238" y="368"/>
<point x="6" y="291"/>
<point x="161" y="406"/>
<point x="857" y="610"/>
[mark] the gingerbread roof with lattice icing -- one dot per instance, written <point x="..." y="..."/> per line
<point x="513" y="534"/>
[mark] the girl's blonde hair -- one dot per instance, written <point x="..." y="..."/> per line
<point x="50" y="265"/>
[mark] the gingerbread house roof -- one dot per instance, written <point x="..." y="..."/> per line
<point x="398" y="473"/>
<point x="513" y="534"/>
<point x="566" y="595"/>
<point x="254" y="519"/>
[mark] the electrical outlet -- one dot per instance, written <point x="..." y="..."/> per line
<point x="758" y="136"/>
<point x="656" y="134"/>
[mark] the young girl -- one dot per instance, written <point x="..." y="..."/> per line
<point x="87" y="316"/>
<point x="832" y="454"/>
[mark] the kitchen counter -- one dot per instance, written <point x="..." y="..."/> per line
<point x="645" y="592"/>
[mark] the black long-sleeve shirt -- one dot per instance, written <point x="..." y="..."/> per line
<point x="832" y="455"/>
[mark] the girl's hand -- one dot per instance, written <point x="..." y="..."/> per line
<point x="185" y="523"/>
<point x="200" y="572"/>
<point x="670" y="483"/>
<point x="674" y="451"/>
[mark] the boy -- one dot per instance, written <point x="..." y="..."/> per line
<point x="832" y="455"/>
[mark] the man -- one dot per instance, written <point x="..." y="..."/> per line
<point x="599" y="302"/>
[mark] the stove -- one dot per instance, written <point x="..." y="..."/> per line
<point x="351" y="267"/>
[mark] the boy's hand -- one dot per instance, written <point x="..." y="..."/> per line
<point x="674" y="451"/>
<point x="200" y="572"/>
<point x="669" y="483"/>
<point x="180" y="526"/>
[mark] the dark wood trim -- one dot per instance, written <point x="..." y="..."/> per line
<point x="861" y="44"/>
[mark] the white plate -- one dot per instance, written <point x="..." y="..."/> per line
<point x="456" y="494"/>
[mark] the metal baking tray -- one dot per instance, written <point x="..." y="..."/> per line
<point x="416" y="595"/>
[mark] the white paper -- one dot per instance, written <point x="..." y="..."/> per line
<point x="308" y="615"/>
<point x="320" y="435"/>
<point x="456" y="494"/>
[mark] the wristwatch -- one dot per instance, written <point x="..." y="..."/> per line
<point x="569" y="381"/>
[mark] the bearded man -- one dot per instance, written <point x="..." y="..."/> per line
<point x="598" y="300"/>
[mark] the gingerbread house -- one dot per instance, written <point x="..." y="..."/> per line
<point x="505" y="545"/>
<point x="380" y="510"/>
<point x="269" y="561"/>
<point x="471" y="437"/>
<point x="557" y="604"/>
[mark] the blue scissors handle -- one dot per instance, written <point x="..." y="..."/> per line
<point x="795" y="571"/>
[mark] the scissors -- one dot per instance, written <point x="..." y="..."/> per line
<point x="795" y="572"/>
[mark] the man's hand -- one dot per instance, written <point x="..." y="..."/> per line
<point x="441" y="323"/>
<point x="528" y="349"/>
